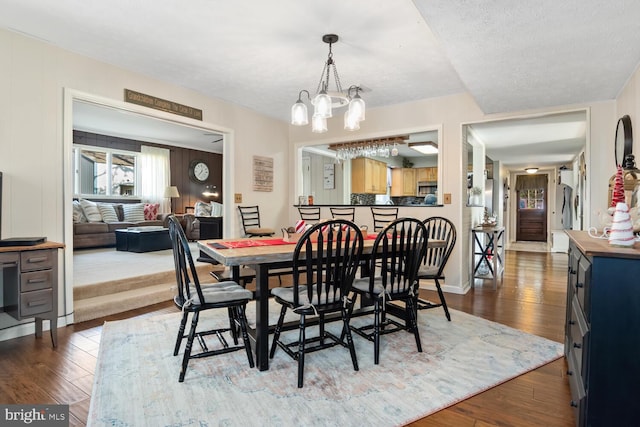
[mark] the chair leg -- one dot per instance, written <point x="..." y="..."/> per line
<point x="301" y="351"/>
<point x="232" y="324"/>
<point x="346" y="330"/>
<point x="376" y="332"/>
<point x="187" y="350"/>
<point x="412" y="310"/>
<point x="242" y="318"/>
<point x="183" y="322"/>
<point x="442" y="300"/>
<point x="276" y="333"/>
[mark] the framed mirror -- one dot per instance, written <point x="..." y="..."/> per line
<point x="624" y="139"/>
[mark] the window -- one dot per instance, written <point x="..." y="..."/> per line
<point x="531" y="199"/>
<point x="104" y="172"/>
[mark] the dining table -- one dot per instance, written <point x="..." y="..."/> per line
<point x="263" y="255"/>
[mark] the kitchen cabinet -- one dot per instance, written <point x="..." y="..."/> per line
<point x="403" y="182"/>
<point x="368" y="176"/>
<point x="427" y="174"/>
<point x="601" y="331"/>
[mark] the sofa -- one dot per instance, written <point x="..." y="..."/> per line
<point x="95" y="223"/>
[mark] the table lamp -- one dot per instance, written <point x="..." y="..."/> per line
<point x="170" y="193"/>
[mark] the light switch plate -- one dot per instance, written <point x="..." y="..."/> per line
<point x="447" y="198"/>
<point x="238" y="197"/>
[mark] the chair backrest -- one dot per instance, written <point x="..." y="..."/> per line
<point x="396" y="256"/>
<point x="343" y="213"/>
<point x="250" y="217"/>
<point x="383" y="216"/>
<point x="186" y="274"/>
<point x="310" y="214"/>
<point x="328" y="261"/>
<point x="441" y="231"/>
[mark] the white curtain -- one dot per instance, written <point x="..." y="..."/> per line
<point x="154" y="176"/>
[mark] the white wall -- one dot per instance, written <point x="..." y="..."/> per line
<point x="33" y="79"/>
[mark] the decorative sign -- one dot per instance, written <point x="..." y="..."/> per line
<point x="329" y="177"/>
<point x="262" y="173"/>
<point x="161" y="104"/>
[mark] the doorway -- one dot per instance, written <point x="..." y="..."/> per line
<point x="531" y="213"/>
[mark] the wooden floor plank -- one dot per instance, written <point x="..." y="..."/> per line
<point x="531" y="297"/>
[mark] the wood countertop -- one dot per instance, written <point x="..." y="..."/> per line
<point x="601" y="247"/>
<point x="45" y="245"/>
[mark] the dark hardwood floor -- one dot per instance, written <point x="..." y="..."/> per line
<point x="531" y="298"/>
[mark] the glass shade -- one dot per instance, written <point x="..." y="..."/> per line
<point x="299" y="114"/>
<point x="350" y="123"/>
<point x="318" y="124"/>
<point x="322" y="104"/>
<point x="356" y="108"/>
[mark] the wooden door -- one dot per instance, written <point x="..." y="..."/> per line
<point x="532" y="215"/>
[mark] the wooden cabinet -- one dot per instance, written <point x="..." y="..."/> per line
<point x="30" y="284"/>
<point x="601" y="331"/>
<point x="427" y="174"/>
<point x="403" y="182"/>
<point x="368" y="176"/>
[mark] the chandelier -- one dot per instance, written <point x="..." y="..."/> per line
<point x="326" y="99"/>
<point x="379" y="147"/>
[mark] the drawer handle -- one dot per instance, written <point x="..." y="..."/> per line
<point x="39" y="280"/>
<point x="577" y="345"/>
<point x="572" y="322"/>
<point x="570" y="373"/>
<point x="9" y="264"/>
<point x="579" y="285"/>
<point x="36" y="303"/>
<point x="574" y="404"/>
<point x="37" y="259"/>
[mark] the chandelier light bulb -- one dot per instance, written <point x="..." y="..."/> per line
<point x="318" y="124"/>
<point x="322" y="104"/>
<point x="299" y="114"/>
<point x="357" y="107"/>
<point x="350" y="123"/>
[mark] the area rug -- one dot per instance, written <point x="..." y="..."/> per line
<point x="136" y="378"/>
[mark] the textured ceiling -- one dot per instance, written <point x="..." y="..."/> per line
<point x="509" y="55"/>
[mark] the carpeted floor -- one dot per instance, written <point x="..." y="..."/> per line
<point x="136" y="378"/>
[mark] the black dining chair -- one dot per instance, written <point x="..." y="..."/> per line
<point x="343" y="213"/>
<point x="395" y="259"/>
<point x="324" y="267"/>
<point x="442" y="239"/>
<point x="250" y="216"/>
<point x="310" y="214"/>
<point x="382" y="217"/>
<point x="192" y="298"/>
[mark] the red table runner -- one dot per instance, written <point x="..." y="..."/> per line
<point x="248" y="243"/>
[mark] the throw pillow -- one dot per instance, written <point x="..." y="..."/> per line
<point x="90" y="210"/>
<point x="151" y="211"/>
<point x="108" y="212"/>
<point x="133" y="212"/>
<point x="78" y="214"/>
<point x="216" y="209"/>
<point x="202" y="209"/>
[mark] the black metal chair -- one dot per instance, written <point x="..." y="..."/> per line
<point x="323" y="272"/>
<point x="251" y="222"/>
<point x="382" y="217"/>
<point x="343" y="213"/>
<point x="442" y="238"/>
<point x="310" y="214"/>
<point x="397" y="252"/>
<point x="193" y="298"/>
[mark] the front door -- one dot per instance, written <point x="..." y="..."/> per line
<point x="532" y="215"/>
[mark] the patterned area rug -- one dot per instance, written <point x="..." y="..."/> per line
<point x="136" y="378"/>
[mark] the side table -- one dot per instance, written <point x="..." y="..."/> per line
<point x="487" y="253"/>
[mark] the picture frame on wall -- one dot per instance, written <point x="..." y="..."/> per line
<point x="328" y="177"/>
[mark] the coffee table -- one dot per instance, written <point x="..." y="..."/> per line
<point x="143" y="239"/>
